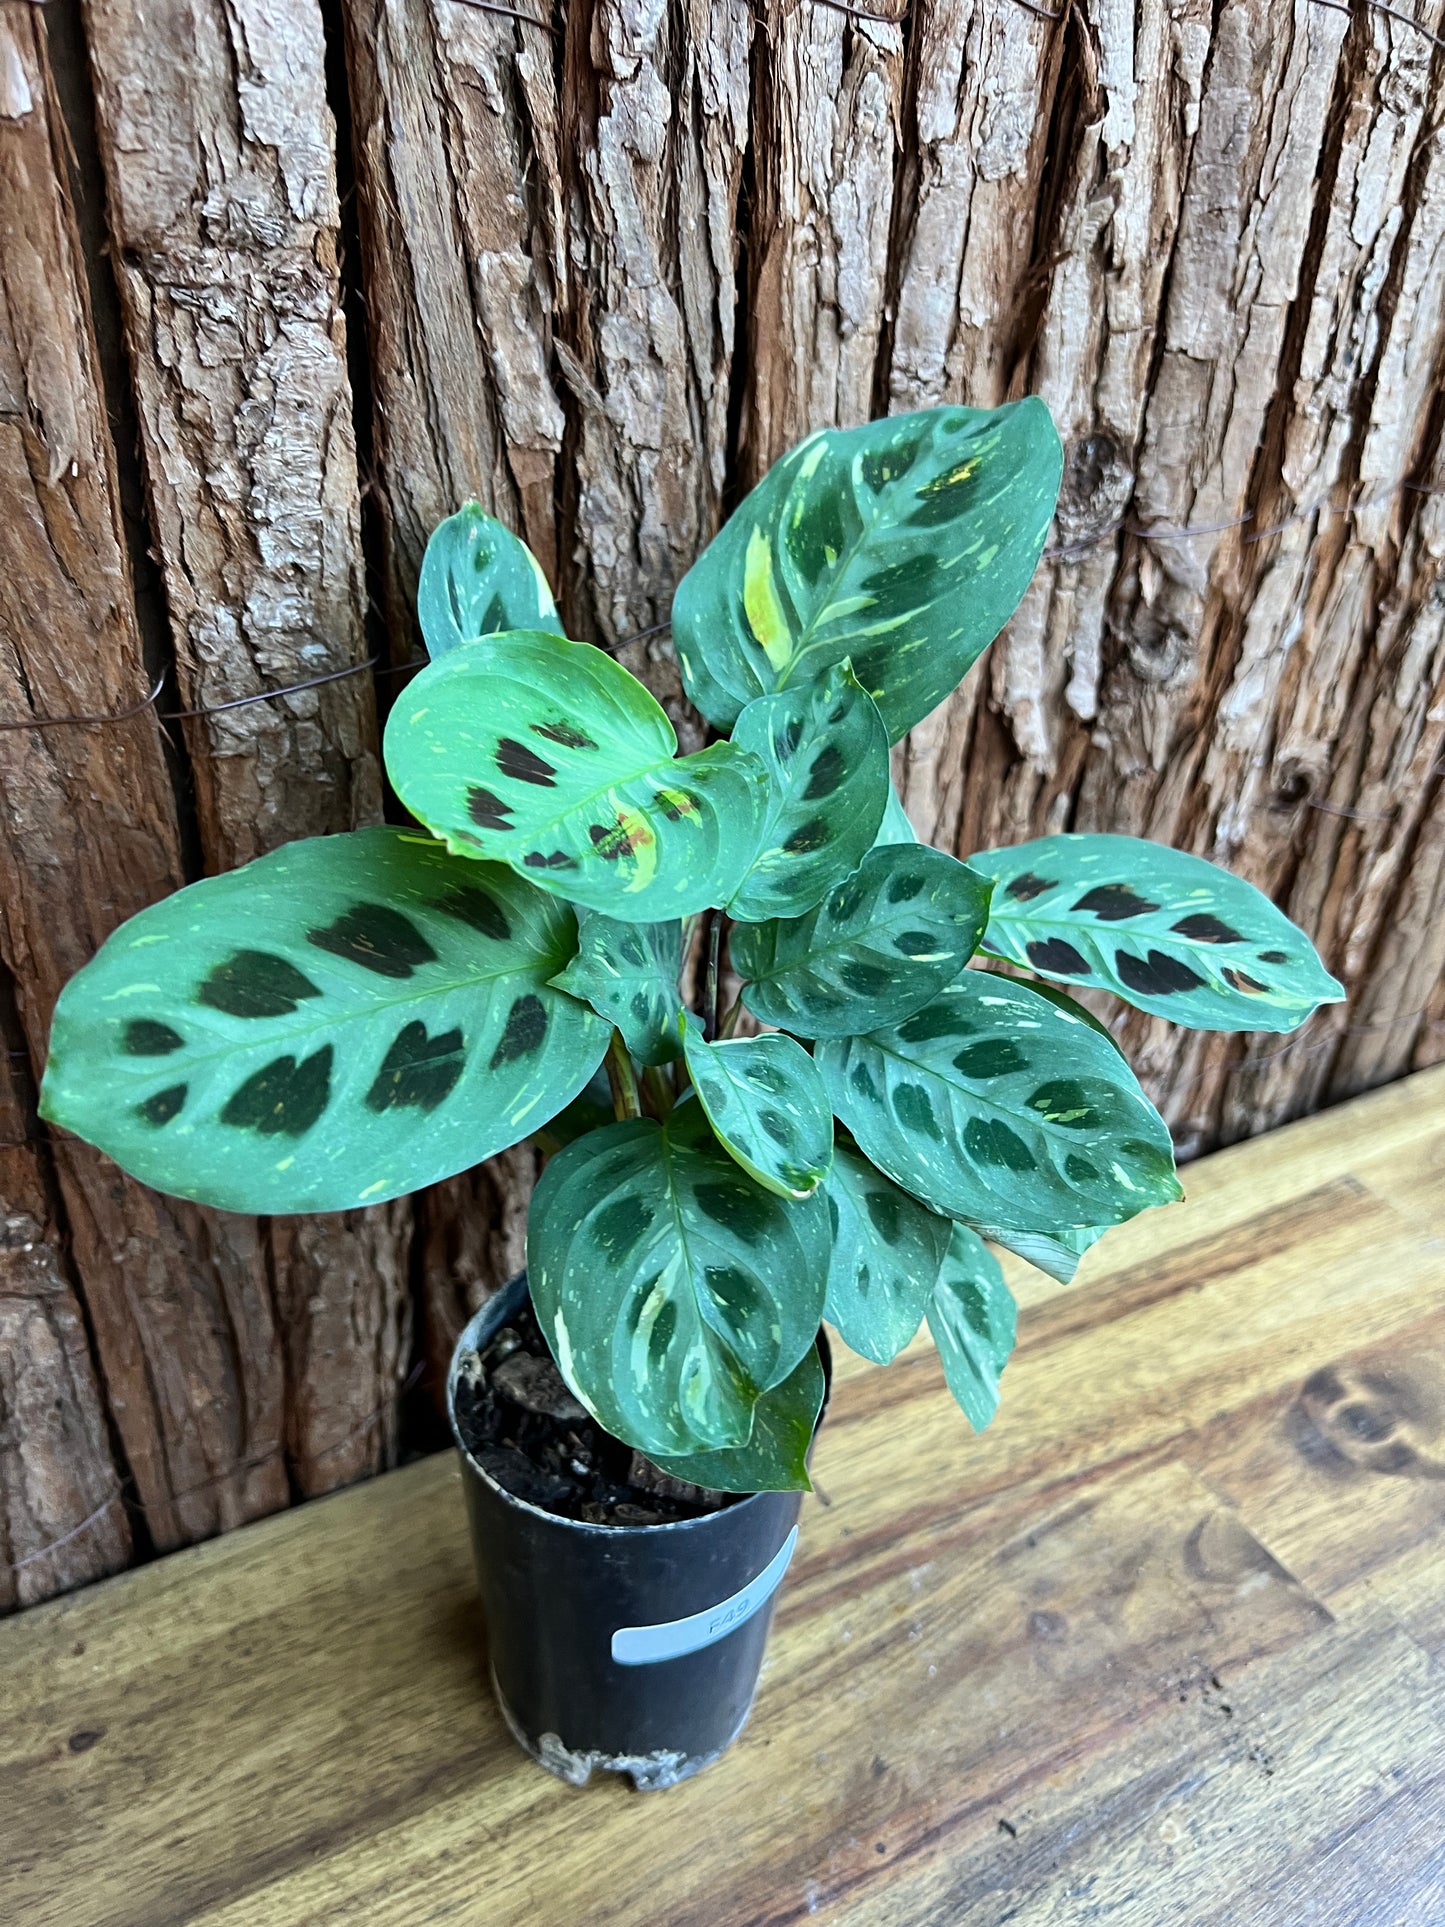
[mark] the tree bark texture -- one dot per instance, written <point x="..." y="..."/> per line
<point x="613" y="259"/>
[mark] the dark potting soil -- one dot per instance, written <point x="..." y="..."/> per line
<point x="521" y="1423"/>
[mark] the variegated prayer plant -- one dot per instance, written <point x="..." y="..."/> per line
<point x="355" y="1016"/>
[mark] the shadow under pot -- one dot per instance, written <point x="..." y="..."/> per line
<point x="630" y="1648"/>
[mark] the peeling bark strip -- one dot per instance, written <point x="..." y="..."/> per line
<point x="178" y="1301"/>
<point x="219" y="151"/>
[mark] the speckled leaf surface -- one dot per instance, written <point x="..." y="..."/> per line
<point x="1171" y="933"/>
<point x="993" y="1106"/>
<point x="973" y="1319"/>
<point x="887" y="1249"/>
<point x="775" y="1458"/>
<point x="1056" y="1254"/>
<point x="767" y="1104"/>
<point x="673" y="1290"/>
<point x="826" y="754"/>
<point x="344" y="1020"/>
<point x="628" y="973"/>
<point x="477" y="579"/>
<point x="547" y="755"/>
<point x="878" y="947"/>
<point x="905" y="544"/>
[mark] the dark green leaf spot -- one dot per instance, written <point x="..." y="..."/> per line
<point x="1207" y="929"/>
<point x="487" y="810"/>
<point x="418" y="1071"/>
<point x="660" y="1337"/>
<point x="1274" y="956"/>
<point x="940" y="1019"/>
<point x="826" y="774"/>
<point x="618" y="1226"/>
<point x="619" y="839"/>
<point x="1115" y="902"/>
<point x="1157" y="975"/>
<point x="553" y="860"/>
<point x="1026" y="887"/>
<point x="254" y="983"/>
<point x="1056" y="958"/>
<point x="1079" y="1169"/>
<point x="567" y="735"/>
<point x="885" y="1212"/>
<point x="474" y="906"/>
<point x="284" y="1098"/>
<point x="776" y="1125"/>
<point x="144" y="1037"/>
<point x="1240" y="980"/>
<point x="734" y="1293"/>
<point x="809" y="836"/>
<point x="916" y="943"/>
<point x="905" y="885"/>
<point x="525" y="1029"/>
<point x="736" y="1207"/>
<point x="989" y="1141"/>
<point x="991" y="1057"/>
<point x="913" y="1108"/>
<point x="1063" y="1100"/>
<point x="163" y="1105"/>
<point x="524" y="765"/>
<point x="378" y="938"/>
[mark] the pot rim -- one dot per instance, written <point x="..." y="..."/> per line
<point x="469" y="1341"/>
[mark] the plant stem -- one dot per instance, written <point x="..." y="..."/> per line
<point x="730" y="1017"/>
<point x="656" y="1092"/>
<point x="622" y="1079"/>
<point x="710" y="993"/>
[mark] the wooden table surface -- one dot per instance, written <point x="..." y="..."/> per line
<point x="1163" y="1647"/>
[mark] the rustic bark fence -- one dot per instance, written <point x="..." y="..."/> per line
<point x="597" y="265"/>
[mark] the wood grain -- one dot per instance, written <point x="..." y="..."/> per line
<point x="177" y="1298"/>
<point x="219" y="150"/>
<point x="1159" y="1646"/>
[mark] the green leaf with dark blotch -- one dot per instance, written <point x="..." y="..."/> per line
<point x="1056" y="1253"/>
<point x="895" y="827"/>
<point x="905" y="544"/>
<point x="775" y="1458"/>
<point x="547" y="755"/>
<point x="995" y="1107"/>
<point x="1170" y="933"/>
<point x="826" y="755"/>
<point x="887" y="1249"/>
<point x="628" y="972"/>
<point x="477" y="579"/>
<point x="1061" y="1000"/>
<point x="673" y="1290"/>
<point x="347" y="1019"/>
<point x="879" y="946"/>
<point x="973" y="1319"/>
<point x="767" y="1105"/>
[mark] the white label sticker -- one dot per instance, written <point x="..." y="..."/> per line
<point x="643" y="1645"/>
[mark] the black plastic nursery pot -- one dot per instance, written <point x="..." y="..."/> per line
<point x="631" y="1649"/>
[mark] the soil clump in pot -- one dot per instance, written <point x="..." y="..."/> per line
<point x="522" y="1424"/>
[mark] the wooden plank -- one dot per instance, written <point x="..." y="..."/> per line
<point x="219" y="150"/>
<point x="1105" y="1662"/>
<point x="177" y="1298"/>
